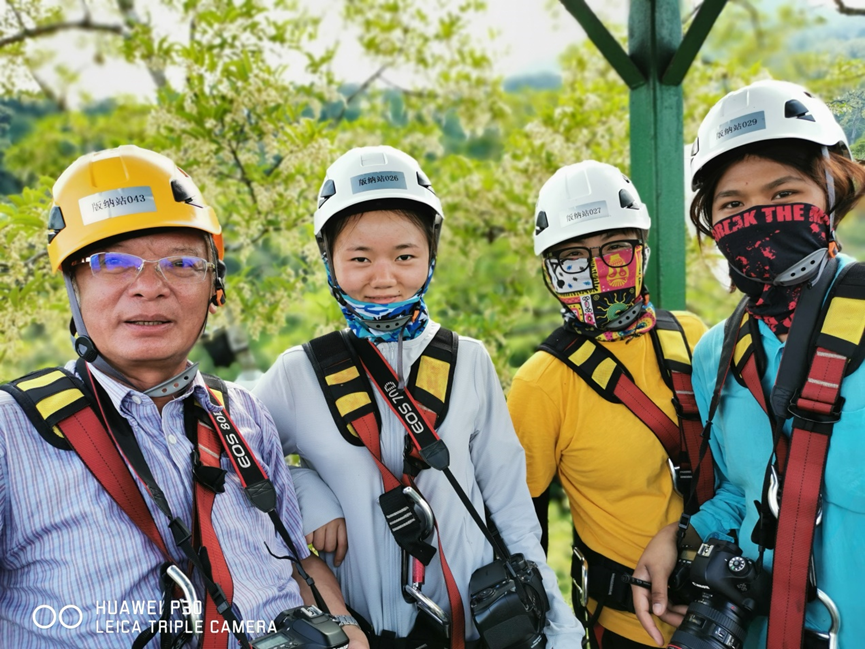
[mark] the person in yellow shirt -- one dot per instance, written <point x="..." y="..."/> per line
<point x="597" y="404"/>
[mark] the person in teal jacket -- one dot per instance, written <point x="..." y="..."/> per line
<point x="771" y="146"/>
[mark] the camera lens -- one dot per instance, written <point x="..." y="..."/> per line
<point x="712" y="623"/>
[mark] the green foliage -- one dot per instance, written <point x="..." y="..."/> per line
<point x="247" y="102"/>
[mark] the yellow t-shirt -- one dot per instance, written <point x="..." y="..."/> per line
<point x="612" y="467"/>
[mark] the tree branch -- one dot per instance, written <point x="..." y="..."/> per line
<point x="755" y="19"/>
<point x="131" y="19"/>
<point x="361" y="89"/>
<point x="406" y="91"/>
<point x="86" y="23"/>
<point x="55" y="98"/>
<point x="244" y="177"/>
<point x="848" y="11"/>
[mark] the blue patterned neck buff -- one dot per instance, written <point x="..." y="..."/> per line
<point x="383" y="322"/>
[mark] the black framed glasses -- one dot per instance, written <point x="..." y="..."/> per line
<point x="575" y="259"/>
<point x="120" y="266"/>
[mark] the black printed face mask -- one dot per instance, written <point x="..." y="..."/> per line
<point x="763" y="242"/>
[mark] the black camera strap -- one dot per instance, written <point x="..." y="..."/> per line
<point x="727" y="351"/>
<point x="406" y="409"/>
<point x="434" y="452"/>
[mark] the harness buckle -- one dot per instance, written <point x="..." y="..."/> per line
<point x="774" y="496"/>
<point x="815" y="417"/>
<point x="410" y="519"/>
<point x="682" y="476"/>
<point x="412" y="463"/>
<point x="680" y="409"/>
<point x="582" y="588"/>
<point x="210" y="477"/>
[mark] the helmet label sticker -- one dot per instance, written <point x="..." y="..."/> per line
<point x="585" y="212"/>
<point x="378" y="180"/>
<point x="739" y="126"/>
<point x="116" y="202"/>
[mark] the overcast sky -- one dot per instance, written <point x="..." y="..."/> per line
<point x="532" y="34"/>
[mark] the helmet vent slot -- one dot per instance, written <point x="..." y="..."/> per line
<point x="795" y="108"/>
<point x="627" y="200"/>
<point x="183" y="190"/>
<point x="541" y="222"/>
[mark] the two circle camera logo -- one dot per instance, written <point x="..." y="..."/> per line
<point x="69" y="617"/>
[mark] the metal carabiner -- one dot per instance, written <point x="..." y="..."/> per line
<point x="774" y="491"/>
<point x="193" y="611"/>
<point x="422" y="509"/>
<point x="433" y="610"/>
<point x="678" y="477"/>
<point x="835" y="615"/>
<point x="583" y="586"/>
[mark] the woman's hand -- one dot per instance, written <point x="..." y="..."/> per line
<point x="656" y="565"/>
<point x="330" y="537"/>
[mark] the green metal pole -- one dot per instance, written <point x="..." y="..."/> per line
<point x="657" y="145"/>
<point x="657" y="61"/>
<point x="605" y="42"/>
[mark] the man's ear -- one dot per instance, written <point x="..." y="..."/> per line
<point x="218" y="298"/>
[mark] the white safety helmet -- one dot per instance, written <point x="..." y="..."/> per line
<point x="585" y="198"/>
<point x="373" y="173"/>
<point x="765" y="110"/>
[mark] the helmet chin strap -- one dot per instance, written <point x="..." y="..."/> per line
<point x="86" y="349"/>
<point x="807" y="268"/>
<point x="626" y="319"/>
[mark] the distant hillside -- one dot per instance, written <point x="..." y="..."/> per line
<point x="535" y="81"/>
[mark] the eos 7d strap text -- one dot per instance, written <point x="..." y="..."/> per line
<point x="432" y="449"/>
<point x="257" y="486"/>
<point x="430" y="446"/>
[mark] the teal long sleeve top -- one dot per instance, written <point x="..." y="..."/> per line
<point x="742" y="443"/>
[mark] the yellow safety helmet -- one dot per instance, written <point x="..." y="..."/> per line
<point x="123" y="191"/>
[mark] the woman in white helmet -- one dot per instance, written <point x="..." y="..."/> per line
<point x="773" y="176"/>
<point x="590" y="229"/>
<point x="358" y="424"/>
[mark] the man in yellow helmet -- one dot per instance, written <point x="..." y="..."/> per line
<point x="138" y="497"/>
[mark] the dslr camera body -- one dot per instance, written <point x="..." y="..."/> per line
<point x="304" y="626"/>
<point x="509" y="604"/>
<point x="732" y="592"/>
<point x="680" y="588"/>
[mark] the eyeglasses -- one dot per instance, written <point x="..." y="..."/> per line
<point x="575" y="259"/>
<point x="119" y="266"/>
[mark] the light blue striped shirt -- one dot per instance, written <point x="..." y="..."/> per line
<point x="75" y="571"/>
